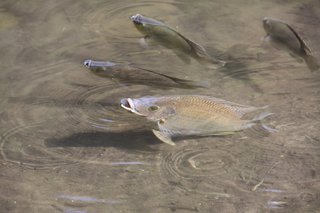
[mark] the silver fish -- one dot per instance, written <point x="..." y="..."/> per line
<point x="136" y="75"/>
<point x="281" y="35"/>
<point x="187" y="115"/>
<point x="172" y="39"/>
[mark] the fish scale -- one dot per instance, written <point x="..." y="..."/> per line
<point x="207" y="105"/>
<point x="187" y="115"/>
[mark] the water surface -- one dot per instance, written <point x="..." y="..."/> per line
<point x="67" y="146"/>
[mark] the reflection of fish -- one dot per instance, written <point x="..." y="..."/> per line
<point x="171" y="39"/>
<point x="283" y="36"/>
<point x="193" y="115"/>
<point x="131" y="74"/>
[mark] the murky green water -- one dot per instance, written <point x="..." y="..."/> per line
<point x="67" y="146"/>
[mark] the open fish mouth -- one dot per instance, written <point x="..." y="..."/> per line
<point x="128" y="104"/>
<point x="136" y="18"/>
<point x="87" y="63"/>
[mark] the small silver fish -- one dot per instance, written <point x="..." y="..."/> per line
<point x="281" y="35"/>
<point x="196" y="115"/>
<point x="172" y="39"/>
<point x="136" y="75"/>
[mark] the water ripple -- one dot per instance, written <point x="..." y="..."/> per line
<point x="25" y="146"/>
<point x="201" y="170"/>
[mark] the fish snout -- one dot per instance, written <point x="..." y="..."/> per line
<point x="87" y="63"/>
<point x="136" y="18"/>
<point x="126" y="103"/>
<point x="266" y="23"/>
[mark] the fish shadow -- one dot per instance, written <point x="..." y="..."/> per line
<point x="130" y="140"/>
<point x="237" y="67"/>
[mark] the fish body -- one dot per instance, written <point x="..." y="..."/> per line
<point x="136" y="75"/>
<point x="172" y="39"/>
<point x="282" y="36"/>
<point x="188" y="115"/>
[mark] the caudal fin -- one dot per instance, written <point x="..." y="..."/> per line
<point x="259" y="118"/>
<point x="312" y="63"/>
<point x="262" y="116"/>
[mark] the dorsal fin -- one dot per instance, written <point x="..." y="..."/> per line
<point x="200" y="51"/>
<point x="303" y="44"/>
<point x="197" y="48"/>
<point x="187" y="83"/>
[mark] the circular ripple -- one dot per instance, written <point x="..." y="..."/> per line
<point x="67" y="93"/>
<point x="199" y="170"/>
<point x="111" y="19"/>
<point x="189" y="163"/>
<point x="224" y="171"/>
<point x="26" y="147"/>
<point x="98" y="106"/>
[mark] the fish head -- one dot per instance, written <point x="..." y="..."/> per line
<point x="144" y="24"/>
<point x="276" y="27"/>
<point x="87" y="63"/>
<point x="268" y="24"/>
<point x="150" y="107"/>
<point x="137" y="19"/>
<point x="139" y="22"/>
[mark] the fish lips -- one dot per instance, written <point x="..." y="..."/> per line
<point x="137" y="19"/>
<point x="87" y="63"/>
<point x="128" y="104"/>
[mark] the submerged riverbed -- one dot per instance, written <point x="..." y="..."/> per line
<point x="67" y="145"/>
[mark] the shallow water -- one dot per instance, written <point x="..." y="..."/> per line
<point x="67" y="146"/>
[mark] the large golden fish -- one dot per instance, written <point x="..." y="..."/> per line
<point x="196" y="115"/>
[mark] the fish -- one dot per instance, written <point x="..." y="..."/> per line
<point x="170" y="38"/>
<point x="282" y="36"/>
<point x="193" y="115"/>
<point x="135" y="75"/>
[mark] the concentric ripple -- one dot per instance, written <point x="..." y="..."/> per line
<point x="25" y="146"/>
<point x="200" y="170"/>
<point x="111" y="18"/>
<point x="218" y="171"/>
<point x="55" y="101"/>
<point x="69" y="94"/>
<point x="188" y="163"/>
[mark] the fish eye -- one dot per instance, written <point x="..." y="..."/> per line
<point x="153" y="108"/>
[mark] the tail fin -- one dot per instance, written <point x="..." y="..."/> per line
<point x="261" y="116"/>
<point x="312" y="63"/>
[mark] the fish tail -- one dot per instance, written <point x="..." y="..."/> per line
<point x="269" y="129"/>
<point x="259" y="118"/>
<point x="312" y="62"/>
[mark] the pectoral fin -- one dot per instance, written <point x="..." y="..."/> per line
<point x="197" y="48"/>
<point x="144" y="42"/>
<point x="164" y="137"/>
